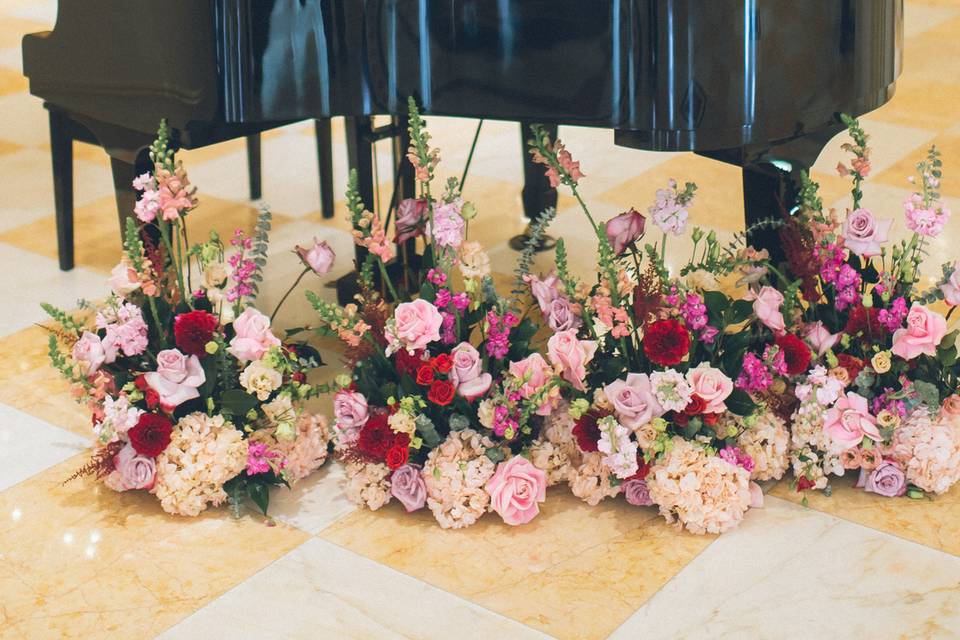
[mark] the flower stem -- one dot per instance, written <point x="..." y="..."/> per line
<point x="386" y="279"/>
<point x="289" y="291"/>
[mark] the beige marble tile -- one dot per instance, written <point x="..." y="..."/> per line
<point x="933" y="522"/>
<point x="793" y="573"/>
<point x="80" y="561"/>
<point x="921" y="16"/>
<point x="12" y="29"/>
<point x="322" y="590"/>
<point x="929" y="104"/>
<point x="29" y="445"/>
<point x="949" y="146"/>
<point x="934" y="55"/>
<point x="574" y="572"/>
<point x="890" y="144"/>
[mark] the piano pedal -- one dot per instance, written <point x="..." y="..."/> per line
<point x="519" y="242"/>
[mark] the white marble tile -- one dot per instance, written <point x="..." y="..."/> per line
<point x="321" y="590"/>
<point x="12" y="58"/>
<point x="889" y="143"/>
<point x="24" y="121"/>
<point x="44" y="11"/>
<point x="789" y="572"/>
<point x="29" y="445"/>
<point x="27" y="279"/>
<point x="28" y="184"/>
<point x="315" y="502"/>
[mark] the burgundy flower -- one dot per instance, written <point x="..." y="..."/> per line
<point x="587" y="431"/>
<point x="796" y="353"/>
<point x="193" y="330"/>
<point x="151" y="435"/>
<point x="666" y="342"/>
<point x="441" y="392"/>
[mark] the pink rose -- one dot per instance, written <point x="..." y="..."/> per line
<point x="135" y="471"/>
<point x="848" y="421"/>
<point x="951" y="288"/>
<point x="253" y="336"/>
<point x="319" y="257"/>
<point x="712" y="385"/>
<point x="177" y="377"/>
<point x="820" y="338"/>
<point x="924" y="331"/>
<point x="515" y="489"/>
<point x="544" y="290"/>
<point x="123" y="280"/>
<point x="562" y="315"/>
<point x="467" y="373"/>
<point x="633" y="400"/>
<point x="407" y="486"/>
<point x="637" y="493"/>
<point x="533" y="372"/>
<point x="409" y="222"/>
<point x="767" y="307"/>
<point x="350" y="409"/>
<point x="887" y="480"/>
<point x="416" y="324"/>
<point x="756" y="495"/>
<point x="625" y="229"/>
<point x="863" y="234"/>
<point x="90" y="352"/>
<point x="572" y="355"/>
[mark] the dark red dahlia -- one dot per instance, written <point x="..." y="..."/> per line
<point x="407" y="363"/>
<point x="796" y="353"/>
<point x="193" y="330"/>
<point x="151" y="435"/>
<point x="865" y="321"/>
<point x="666" y="342"/>
<point x="441" y="392"/>
<point x="376" y="437"/>
<point x="587" y="430"/>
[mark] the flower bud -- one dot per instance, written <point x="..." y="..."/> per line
<point x="468" y="211"/>
<point x="211" y="347"/>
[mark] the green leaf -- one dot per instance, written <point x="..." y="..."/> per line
<point x="237" y="402"/>
<point x="716" y="301"/>
<point x="427" y="431"/>
<point x="495" y="454"/>
<point x="738" y="312"/>
<point x="740" y="403"/>
<point x="260" y="494"/>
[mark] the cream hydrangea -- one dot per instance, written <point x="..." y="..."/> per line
<point x="807" y="463"/>
<point x="455" y="474"/>
<point x="929" y="450"/>
<point x="767" y="442"/>
<point x="204" y="453"/>
<point x="308" y="451"/>
<point x="368" y="484"/>
<point x="704" y="493"/>
<point x="591" y="480"/>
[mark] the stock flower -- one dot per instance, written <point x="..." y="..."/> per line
<point x="319" y="258"/>
<point x="795" y="353"/>
<point x="712" y="386"/>
<point x="672" y="389"/>
<point x="624" y="229"/>
<point x="407" y="486"/>
<point x="633" y="400"/>
<point x="767" y="308"/>
<point x="571" y="355"/>
<point x="820" y="338"/>
<point x="924" y="332"/>
<point x="516" y="488"/>
<point x="925" y="220"/>
<point x="848" y="422"/>
<point x="474" y="261"/>
<point x="253" y="336"/>
<point x="448" y="224"/>
<point x="467" y="372"/>
<point x="415" y="324"/>
<point x="767" y="442"/>
<point x="863" y="234"/>
<point x="193" y="330"/>
<point x="177" y="377"/>
<point x="151" y="435"/>
<point x="666" y="342"/>
<point x="410" y="218"/>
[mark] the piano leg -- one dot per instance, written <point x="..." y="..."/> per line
<point x="61" y="153"/>
<point x="253" y="166"/>
<point x="767" y="192"/>
<point x="123" y="175"/>
<point x="325" y="164"/>
<point x="537" y="194"/>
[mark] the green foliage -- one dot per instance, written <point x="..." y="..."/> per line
<point x="237" y="402"/>
<point x="258" y="252"/>
<point x="535" y="235"/>
<point x="740" y="403"/>
<point x="67" y="321"/>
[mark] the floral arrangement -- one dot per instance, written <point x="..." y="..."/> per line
<point x="445" y="395"/>
<point x="879" y="396"/>
<point x="193" y="397"/>
<point x="669" y="380"/>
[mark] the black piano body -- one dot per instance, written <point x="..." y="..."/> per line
<point x="757" y="83"/>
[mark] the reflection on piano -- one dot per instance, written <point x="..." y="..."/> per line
<point x="756" y="83"/>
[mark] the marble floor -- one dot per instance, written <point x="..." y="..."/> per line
<point x="78" y="561"/>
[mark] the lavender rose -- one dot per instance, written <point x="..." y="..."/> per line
<point x="637" y="493"/>
<point x="625" y="229"/>
<point x="562" y="315"/>
<point x="863" y="234"/>
<point x="408" y="487"/>
<point x="886" y="480"/>
<point x="136" y="471"/>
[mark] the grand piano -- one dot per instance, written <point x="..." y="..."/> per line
<point x="756" y="83"/>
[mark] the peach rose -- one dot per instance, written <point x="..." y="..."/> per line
<point x="416" y="324"/>
<point x="924" y="331"/>
<point x="712" y="385"/>
<point x="123" y="280"/>
<point x="848" y="421"/>
<point x="572" y="355"/>
<point x="767" y="308"/>
<point x="253" y="336"/>
<point x="177" y="377"/>
<point x="516" y="489"/>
